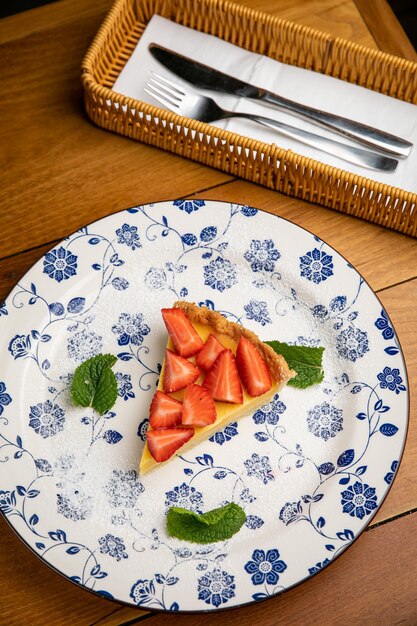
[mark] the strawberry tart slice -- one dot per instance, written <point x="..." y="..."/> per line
<point x="214" y="372"/>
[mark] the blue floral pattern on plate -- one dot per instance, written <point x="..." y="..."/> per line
<point x="265" y="567"/>
<point x="316" y="265"/>
<point x="359" y="500"/>
<point x="113" y="546"/>
<point x="216" y="587"/>
<point x="262" y="255"/>
<point x="220" y="274"/>
<point x="5" y="399"/>
<point x="60" y="264"/>
<point x="391" y="379"/>
<point x="129" y="236"/>
<point x="258" y="311"/>
<point x="310" y="468"/>
<point x="325" y="421"/>
<point x="186" y="497"/>
<point x="46" y="418"/>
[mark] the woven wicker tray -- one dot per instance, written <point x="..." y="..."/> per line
<point x="262" y="163"/>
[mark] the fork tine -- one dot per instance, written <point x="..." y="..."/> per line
<point x="161" y="96"/>
<point x="156" y="84"/>
<point x="168" y="84"/>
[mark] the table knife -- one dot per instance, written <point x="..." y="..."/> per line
<point x="205" y="77"/>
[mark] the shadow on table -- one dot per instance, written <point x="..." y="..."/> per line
<point x="10" y="7"/>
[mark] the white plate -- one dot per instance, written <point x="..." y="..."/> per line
<point x="310" y="469"/>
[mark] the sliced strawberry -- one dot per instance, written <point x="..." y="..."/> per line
<point x="199" y="408"/>
<point x="165" y="411"/>
<point x="222" y="380"/>
<point x="178" y="372"/>
<point x="163" y="443"/>
<point x="183" y="335"/>
<point x="253" y="370"/>
<point x="209" y="353"/>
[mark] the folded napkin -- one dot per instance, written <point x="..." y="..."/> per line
<point x="311" y="88"/>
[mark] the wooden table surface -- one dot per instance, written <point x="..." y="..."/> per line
<point x="59" y="171"/>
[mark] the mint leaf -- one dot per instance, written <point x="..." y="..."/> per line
<point x="216" y="525"/>
<point x="305" y="360"/>
<point x="95" y="384"/>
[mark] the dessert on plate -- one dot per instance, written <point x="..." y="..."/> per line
<point x="214" y="372"/>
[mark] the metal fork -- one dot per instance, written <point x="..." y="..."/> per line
<point x="205" y="109"/>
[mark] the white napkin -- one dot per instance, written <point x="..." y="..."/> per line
<point x="311" y="88"/>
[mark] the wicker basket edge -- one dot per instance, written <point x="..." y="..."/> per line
<point x="289" y="173"/>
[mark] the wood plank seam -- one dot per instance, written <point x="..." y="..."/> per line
<point x="392" y="519"/>
<point x="223" y="184"/>
<point x="142" y="618"/>
<point x="119" y="608"/>
<point x="38" y="247"/>
<point x="401" y="282"/>
<point x="135" y="620"/>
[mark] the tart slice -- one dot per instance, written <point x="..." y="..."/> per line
<point x="227" y="368"/>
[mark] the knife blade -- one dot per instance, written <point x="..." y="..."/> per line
<point x="205" y="77"/>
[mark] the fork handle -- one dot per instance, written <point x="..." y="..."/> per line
<point x="349" y="153"/>
<point x="355" y="130"/>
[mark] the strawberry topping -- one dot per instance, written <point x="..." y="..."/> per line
<point x="163" y="443"/>
<point x="199" y="408"/>
<point x="183" y="335"/>
<point x="222" y="380"/>
<point x="165" y="411"/>
<point x="209" y="353"/>
<point x="253" y="370"/>
<point x="178" y="372"/>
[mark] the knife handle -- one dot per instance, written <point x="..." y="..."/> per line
<point x="359" y="156"/>
<point x="366" y="135"/>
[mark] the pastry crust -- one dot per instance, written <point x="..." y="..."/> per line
<point x="277" y="365"/>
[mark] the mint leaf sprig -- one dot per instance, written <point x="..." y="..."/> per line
<point x="94" y="384"/>
<point x="305" y="360"/>
<point x="215" y="525"/>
